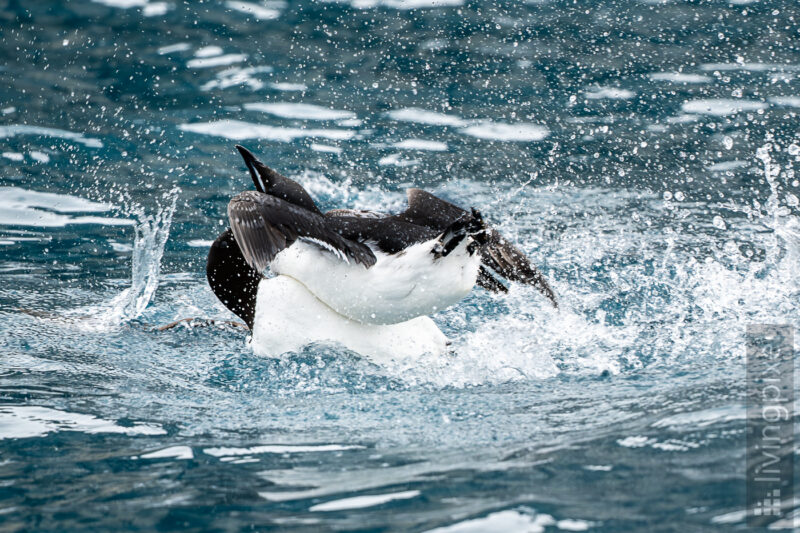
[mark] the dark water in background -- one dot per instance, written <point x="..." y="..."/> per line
<point x="643" y="153"/>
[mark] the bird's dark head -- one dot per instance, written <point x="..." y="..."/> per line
<point x="477" y="227"/>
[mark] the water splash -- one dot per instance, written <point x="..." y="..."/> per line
<point x="643" y="280"/>
<point x="777" y="215"/>
<point x="152" y="232"/>
<point x="664" y="287"/>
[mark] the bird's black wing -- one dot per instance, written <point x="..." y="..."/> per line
<point x="427" y="210"/>
<point x="390" y="234"/>
<point x="358" y="213"/>
<point x="498" y="254"/>
<point x="508" y="261"/>
<point x="489" y="282"/>
<point x="263" y="225"/>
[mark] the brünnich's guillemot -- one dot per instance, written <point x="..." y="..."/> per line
<point x="363" y="279"/>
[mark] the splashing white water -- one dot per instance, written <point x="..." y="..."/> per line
<point x="660" y="286"/>
<point x="152" y="232"/>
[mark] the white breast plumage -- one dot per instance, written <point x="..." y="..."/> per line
<point x="398" y="287"/>
<point x="288" y="317"/>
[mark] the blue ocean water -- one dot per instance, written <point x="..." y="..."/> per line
<point x="643" y="153"/>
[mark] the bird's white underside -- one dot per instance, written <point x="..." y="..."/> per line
<point x="397" y="288"/>
<point x="289" y="317"/>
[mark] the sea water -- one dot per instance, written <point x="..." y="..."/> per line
<point x="643" y="154"/>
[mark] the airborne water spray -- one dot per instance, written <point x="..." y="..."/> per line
<point x="151" y="234"/>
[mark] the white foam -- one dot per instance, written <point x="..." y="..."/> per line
<point x="730" y="518"/>
<point x="62" y="203"/>
<point x="723" y="166"/>
<point x="683" y="119"/>
<point x="238" y="130"/>
<point x="421" y="144"/>
<point x="706" y="417"/>
<point x="435" y="44"/>
<point x="404" y="4"/>
<point x="349" y="122"/>
<point x="571" y="524"/>
<point x="679" y="77"/>
<point x="360" y="502"/>
<point x="216" y="61"/>
<point x="156" y="9"/>
<point x="673" y="445"/>
<point x="41" y="157"/>
<point x="236" y="76"/>
<point x="123" y="4"/>
<point x="500" y="522"/>
<point x="22" y="129"/>
<point x="599" y="468"/>
<point x="397" y="160"/>
<point x="257" y="11"/>
<point x="103" y="221"/>
<point x="423" y="116"/>
<point x="13" y="156"/>
<point x="199" y="243"/>
<point x="636" y="441"/>
<point x="326" y="148"/>
<point x="611" y="93"/>
<point x="303" y="482"/>
<point x="280" y="449"/>
<point x="11" y="216"/>
<point x="750" y="67"/>
<point x="421" y="4"/>
<point x="285" y="86"/>
<point x="120" y="247"/>
<point x="19" y="422"/>
<point x="208" y="51"/>
<point x="721" y="107"/>
<point x="495" y="131"/>
<point x="172" y="48"/>
<point x="300" y="111"/>
<point x="21" y="207"/>
<point x="173" y="452"/>
<point x="524" y="351"/>
<point x="788" y="101"/>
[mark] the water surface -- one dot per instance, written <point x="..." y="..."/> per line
<point x="643" y="154"/>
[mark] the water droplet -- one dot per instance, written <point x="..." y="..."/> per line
<point x="727" y="142"/>
<point x="719" y="223"/>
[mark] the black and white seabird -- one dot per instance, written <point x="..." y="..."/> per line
<point x="356" y="277"/>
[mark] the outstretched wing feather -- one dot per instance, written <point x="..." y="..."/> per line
<point x="498" y="254"/>
<point x="508" y="261"/>
<point x="489" y="282"/>
<point x="264" y="225"/>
